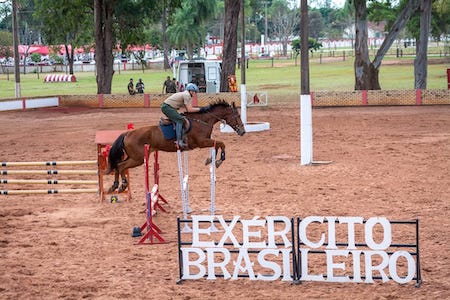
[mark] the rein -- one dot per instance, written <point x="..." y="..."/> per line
<point x="222" y="120"/>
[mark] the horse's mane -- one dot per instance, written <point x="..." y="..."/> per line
<point x="217" y="103"/>
<point x="212" y="105"/>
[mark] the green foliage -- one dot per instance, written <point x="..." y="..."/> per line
<point x="6" y="42"/>
<point x="382" y="11"/>
<point x="188" y="30"/>
<point x="313" y="45"/>
<point x="35" y="57"/>
<point x="65" y="22"/>
<point x="131" y="19"/>
<point x="56" y="58"/>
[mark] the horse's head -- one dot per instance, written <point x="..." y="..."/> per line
<point x="233" y="119"/>
<point x="222" y="111"/>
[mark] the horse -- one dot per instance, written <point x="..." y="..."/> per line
<point x="127" y="151"/>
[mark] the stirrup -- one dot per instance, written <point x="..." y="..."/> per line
<point x="181" y="145"/>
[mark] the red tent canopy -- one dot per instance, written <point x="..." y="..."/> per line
<point x="42" y="50"/>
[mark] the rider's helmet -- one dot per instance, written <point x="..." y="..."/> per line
<point x="192" y="87"/>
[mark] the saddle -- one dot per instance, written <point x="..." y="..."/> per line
<point x="167" y="127"/>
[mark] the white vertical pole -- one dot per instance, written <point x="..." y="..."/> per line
<point x="186" y="181"/>
<point x="213" y="228"/>
<point x="183" y="187"/>
<point x="306" y="144"/>
<point x="243" y="104"/>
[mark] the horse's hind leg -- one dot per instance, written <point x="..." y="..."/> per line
<point x="125" y="165"/>
<point x="124" y="185"/>
<point x="116" y="182"/>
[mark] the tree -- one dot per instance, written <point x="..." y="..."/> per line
<point x="188" y="30"/>
<point x="421" y="61"/>
<point x="6" y="43"/>
<point x="316" y="25"/>
<point x="67" y="23"/>
<point x="5" y="16"/>
<point x="366" y="72"/>
<point x="283" y="20"/>
<point x="231" y="18"/>
<point x="168" y="9"/>
<point x="313" y="45"/>
<point x="104" y="43"/>
<point x="108" y="30"/>
<point x="440" y="26"/>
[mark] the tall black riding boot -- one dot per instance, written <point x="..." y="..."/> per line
<point x="179" y="131"/>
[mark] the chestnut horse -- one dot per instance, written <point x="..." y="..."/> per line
<point x="127" y="151"/>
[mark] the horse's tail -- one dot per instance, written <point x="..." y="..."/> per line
<point x="116" y="153"/>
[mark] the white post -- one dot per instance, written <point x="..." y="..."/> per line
<point x="306" y="144"/>
<point x="186" y="179"/>
<point x="243" y="104"/>
<point x="213" y="228"/>
<point x="183" y="187"/>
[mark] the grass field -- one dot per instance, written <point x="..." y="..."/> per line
<point x="277" y="77"/>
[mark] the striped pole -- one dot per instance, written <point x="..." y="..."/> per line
<point x="45" y="181"/>
<point x="49" y="172"/>
<point x="49" y="163"/>
<point x="60" y="191"/>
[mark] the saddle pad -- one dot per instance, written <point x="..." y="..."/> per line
<point x="168" y="130"/>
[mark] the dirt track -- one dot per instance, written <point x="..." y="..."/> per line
<point x="387" y="161"/>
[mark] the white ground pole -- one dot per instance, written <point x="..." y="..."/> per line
<point x="183" y="186"/>
<point x="212" y="171"/>
<point x="249" y="127"/>
<point x="306" y="139"/>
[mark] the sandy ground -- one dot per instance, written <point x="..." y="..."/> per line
<point x="386" y="161"/>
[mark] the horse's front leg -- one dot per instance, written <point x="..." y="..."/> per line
<point x="218" y="145"/>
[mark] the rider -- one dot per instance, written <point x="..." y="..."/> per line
<point x="176" y="101"/>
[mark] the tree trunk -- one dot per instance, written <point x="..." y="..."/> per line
<point x="231" y="19"/>
<point x="421" y="61"/>
<point x="399" y="24"/>
<point x="69" y="56"/>
<point x="367" y="73"/>
<point x="364" y="70"/>
<point x="103" y="14"/>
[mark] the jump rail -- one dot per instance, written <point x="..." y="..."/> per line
<point x="49" y="163"/>
<point x="50" y="180"/>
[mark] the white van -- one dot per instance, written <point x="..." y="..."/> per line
<point x="204" y="73"/>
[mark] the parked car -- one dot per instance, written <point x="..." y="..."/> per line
<point x="264" y="56"/>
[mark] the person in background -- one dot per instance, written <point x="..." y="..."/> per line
<point x="175" y="84"/>
<point x="173" y="103"/>
<point x="131" y="90"/>
<point x="140" y="86"/>
<point x="202" y="85"/>
<point x="194" y="80"/>
<point x="169" y="86"/>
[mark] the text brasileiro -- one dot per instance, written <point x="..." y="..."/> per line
<point x="274" y="257"/>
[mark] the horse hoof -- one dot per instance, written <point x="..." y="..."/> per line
<point x="122" y="188"/>
<point x="208" y="161"/>
<point x="218" y="163"/>
<point x="111" y="189"/>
